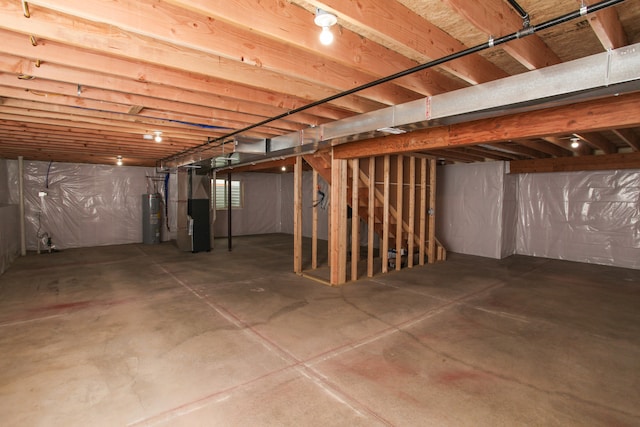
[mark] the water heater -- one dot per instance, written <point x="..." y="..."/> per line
<point x="151" y="218"/>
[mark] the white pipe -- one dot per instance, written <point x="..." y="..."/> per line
<point x="23" y="237"/>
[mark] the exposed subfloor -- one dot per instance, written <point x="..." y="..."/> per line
<point x="147" y="335"/>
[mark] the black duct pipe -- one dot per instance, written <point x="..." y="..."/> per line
<point x="491" y="43"/>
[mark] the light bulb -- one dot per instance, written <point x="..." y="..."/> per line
<point x="575" y="144"/>
<point x="158" y="138"/>
<point x="119" y="161"/>
<point x="284" y="169"/>
<point x="326" y="36"/>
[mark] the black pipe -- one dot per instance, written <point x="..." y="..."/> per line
<point x="523" y="13"/>
<point x="229" y="237"/>
<point x="491" y="43"/>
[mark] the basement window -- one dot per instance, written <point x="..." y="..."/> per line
<point x="221" y="195"/>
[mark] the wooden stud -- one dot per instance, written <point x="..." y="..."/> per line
<point x="385" y="216"/>
<point x="423" y="208"/>
<point x="314" y="225"/>
<point x="372" y="214"/>
<point x="412" y="211"/>
<point x="338" y="230"/>
<point x="329" y="231"/>
<point x="297" y="216"/>
<point x="399" y="210"/>
<point x="431" y="252"/>
<point x="355" y="219"/>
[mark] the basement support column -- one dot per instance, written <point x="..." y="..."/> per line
<point x="338" y="231"/>
<point x="297" y="216"/>
<point x="423" y="209"/>
<point x="372" y="214"/>
<point x="314" y="225"/>
<point x="431" y="252"/>
<point x="355" y="218"/>
<point x="412" y="211"/>
<point x="399" y="210"/>
<point x="385" y="215"/>
<point x="23" y="236"/>
<point x="229" y="234"/>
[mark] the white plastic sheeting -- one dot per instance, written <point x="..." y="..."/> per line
<point x="309" y="194"/>
<point x="509" y="216"/>
<point x="581" y="216"/>
<point x="85" y="205"/>
<point x="469" y="207"/>
<point x="260" y="213"/>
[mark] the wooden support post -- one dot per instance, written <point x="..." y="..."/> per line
<point x="423" y="207"/>
<point x="385" y="216"/>
<point x="314" y="225"/>
<point x="329" y="232"/>
<point x="338" y="230"/>
<point x="399" y="210"/>
<point x="297" y="216"/>
<point x="355" y="218"/>
<point x="372" y="214"/>
<point x="431" y="254"/>
<point x="412" y="211"/>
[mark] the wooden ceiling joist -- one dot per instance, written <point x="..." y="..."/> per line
<point x="109" y="72"/>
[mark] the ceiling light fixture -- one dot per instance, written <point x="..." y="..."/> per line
<point x="575" y="142"/>
<point x="284" y="169"/>
<point x="325" y="20"/>
<point x="158" y="136"/>
<point x="119" y="161"/>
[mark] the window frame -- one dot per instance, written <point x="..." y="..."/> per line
<point x="235" y="195"/>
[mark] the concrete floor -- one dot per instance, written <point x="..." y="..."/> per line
<point x="146" y="335"/>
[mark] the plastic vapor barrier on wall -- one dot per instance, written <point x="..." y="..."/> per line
<point x="469" y="208"/>
<point x="260" y="212"/>
<point x="80" y="205"/>
<point x="581" y="216"/>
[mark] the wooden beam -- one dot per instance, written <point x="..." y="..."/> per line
<point x="134" y="79"/>
<point x="431" y="252"/>
<point x="496" y="18"/>
<point x="399" y="210"/>
<point x="517" y="148"/>
<point x="389" y="21"/>
<point x="385" y="215"/>
<point x="314" y="223"/>
<point x="629" y="137"/>
<point x="565" y="143"/>
<point x="338" y="230"/>
<point x="297" y="216"/>
<point x="613" y="112"/>
<point x="423" y="209"/>
<point x="598" y="141"/>
<point x="412" y="211"/>
<point x="111" y="40"/>
<point x="273" y="164"/>
<point x="545" y="147"/>
<point x="583" y="163"/>
<point x="607" y="26"/>
<point x="164" y="22"/>
<point x="355" y="218"/>
<point x="487" y="153"/>
<point x="266" y="20"/>
<point x="371" y="214"/>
